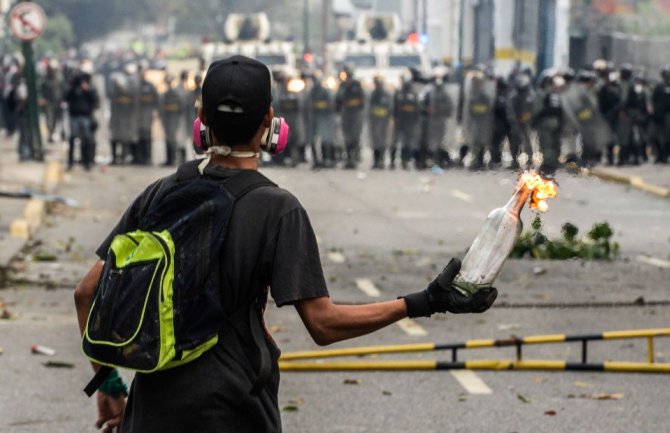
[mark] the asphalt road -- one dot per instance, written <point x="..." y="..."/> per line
<point x="390" y="232"/>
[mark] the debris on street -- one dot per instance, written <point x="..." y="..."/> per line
<point x="38" y="349"/>
<point x="58" y="364"/>
<point x="598" y="396"/>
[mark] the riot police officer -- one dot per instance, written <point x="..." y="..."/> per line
<point x="548" y="121"/>
<point x="321" y="115"/>
<point x="123" y="118"/>
<point x="570" y="125"/>
<point x="405" y="119"/>
<point x="290" y="105"/>
<point x="630" y="114"/>
<point x="148" y="104"/>
<point x="520" y="114"/>
<point x="595" y="134"/>
<point x="379" y="119"/>
<point x="661" y="106"/>
<point x="477" y="116"/>
<point x="350" y="103"/>
<point x="171" y="109"/>
<point x="609" y="99"/>
<point x="436" y="107"/>
<point x="502" y="127"/>
<point x="51" y="97"/>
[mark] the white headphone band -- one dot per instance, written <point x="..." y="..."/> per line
<point x="227" y="151"/>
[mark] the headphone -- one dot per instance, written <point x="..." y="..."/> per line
<point x="273" y="141"/>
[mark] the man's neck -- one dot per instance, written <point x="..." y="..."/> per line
<point x="234" y="162"/>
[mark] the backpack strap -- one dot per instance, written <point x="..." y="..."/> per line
<point x="240" y="184"/>
<point x="99" y="377"/>
<point x="244" y="182"/>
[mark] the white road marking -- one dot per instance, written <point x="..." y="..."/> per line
<point x="462" y="195"/>
<point x="368" y="287"/>
<point x="336" y="257"/>
<point x="471" y="382"/>
<point x="655" y="261"/>
<point x="412" y="328"/>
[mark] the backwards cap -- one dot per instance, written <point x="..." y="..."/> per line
<point x="236" y="89"/>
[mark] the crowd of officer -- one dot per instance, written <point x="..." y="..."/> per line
<point x="136" y="92"/>
<point x="599" y="114"/>
<point x="603" y="113"/>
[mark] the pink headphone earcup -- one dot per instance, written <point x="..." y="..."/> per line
<point x="197" y="141"/>
<point x="282" y="140"/>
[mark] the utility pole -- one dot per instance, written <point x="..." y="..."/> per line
<point x="26" y="22"/>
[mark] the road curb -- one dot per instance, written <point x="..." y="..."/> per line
<point x="636" y="182"/>
<point x="23" y="228"/>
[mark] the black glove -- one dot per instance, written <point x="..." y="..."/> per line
<point x="440" y="296"/>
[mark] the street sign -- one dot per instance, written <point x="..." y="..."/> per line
<point x="27" y="21"/>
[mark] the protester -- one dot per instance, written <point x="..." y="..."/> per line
<point x="267" y="227"/>
<point x="82" y="100"/>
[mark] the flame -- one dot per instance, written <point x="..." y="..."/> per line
<point x="541" y="189"/>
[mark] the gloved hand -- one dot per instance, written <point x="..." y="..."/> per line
<point x="440" y="297"/>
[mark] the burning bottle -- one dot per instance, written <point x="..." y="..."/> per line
<point x="495" y="241"/>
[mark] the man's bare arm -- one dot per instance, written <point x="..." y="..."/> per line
<point x="328" y="322"/>
<point x="83" y="296"/>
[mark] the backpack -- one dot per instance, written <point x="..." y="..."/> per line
<point x="158" y="301"/>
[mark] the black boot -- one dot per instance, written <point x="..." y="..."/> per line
<point x="70" y="155"/>
<point x="392" y="152"/>
<point x="169" y="156"/>
<point x="405" y="156"/>
<point x="351" y="158"/>
<point x="377" y="159"/>
<point x="444" y="158"/>
<point x="420" y="159"/>
<point x="610" y="154"/>
<point x="113" y="148"/>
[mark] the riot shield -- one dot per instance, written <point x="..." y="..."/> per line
<point x="581" y="106"/>
<point x="477" y="124"/>
<point x="438" y="106"/>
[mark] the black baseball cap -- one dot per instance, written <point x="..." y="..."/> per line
<point x="236" y="94"/>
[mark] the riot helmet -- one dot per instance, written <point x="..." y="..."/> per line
<point x="626" y="71"/>
<point x="665" y="72"/>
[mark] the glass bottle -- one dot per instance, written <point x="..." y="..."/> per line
<point x="495" y="241"/>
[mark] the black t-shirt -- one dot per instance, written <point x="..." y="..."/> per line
<point x="269" y="242"/>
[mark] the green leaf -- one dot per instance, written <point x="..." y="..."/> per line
<point x="569" y="231"/>
<point x="537" y="223"/>
<point x="600" y="231"/>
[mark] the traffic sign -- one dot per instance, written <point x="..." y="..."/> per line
<point x="27" y="21"/>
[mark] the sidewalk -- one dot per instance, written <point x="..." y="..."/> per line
<point x="651" y="178"/>
<point x="20" y="217"/>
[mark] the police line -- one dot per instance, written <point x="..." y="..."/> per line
<point x="294" y="361"/>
